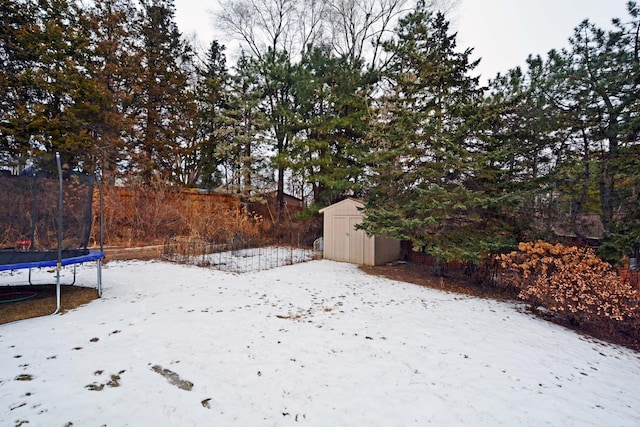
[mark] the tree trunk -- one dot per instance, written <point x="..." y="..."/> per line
<point x="280" y="195"/>
<point x="607" y="183"/>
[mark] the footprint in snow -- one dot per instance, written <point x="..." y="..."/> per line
<point x="16" y="406"/>
<point x="24" y="377"/>
<point x="114" y="381"/>
<point x="173" y="378"/>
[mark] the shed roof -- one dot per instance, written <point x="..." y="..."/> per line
<point x="358" y="202"/>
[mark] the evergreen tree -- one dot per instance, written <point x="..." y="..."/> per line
<point x="565" y="134"/>
<point x="165" y="102"/>
<point x="331" y="98"/>
<point x="601" y="74"/>
<point x="596" y="82"/>
<point x="14" y="93"/>
<point x="522" y="143"/>
<point x="276" y="74"/>
<point x="423" y="163"/>
<point x="240" y="143"/>
<point x="115" y="66"/>
<point x="52" y="103"/>
<point x="212" y="96"/>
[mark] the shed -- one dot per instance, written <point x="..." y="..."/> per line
<point x="343" y="242"/>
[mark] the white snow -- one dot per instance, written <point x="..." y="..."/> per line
<point x="317" y="344"/>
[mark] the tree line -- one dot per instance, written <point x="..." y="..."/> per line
<point x="336" y="98"/>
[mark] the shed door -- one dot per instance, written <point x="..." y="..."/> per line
<point x="348" y="242"/>
<point x="356" y="241"/>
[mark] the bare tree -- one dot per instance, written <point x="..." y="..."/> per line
<point x="358" y="27"/>
<point x="271" y="25"/>
<point x="354" y="29"/>
<point x="311" y="23"/>
<point x="355" y="23"/>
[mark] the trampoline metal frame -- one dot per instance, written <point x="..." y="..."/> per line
<point x="91" y="256"/>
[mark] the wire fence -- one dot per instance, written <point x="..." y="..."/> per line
<point x="235" y="255"/>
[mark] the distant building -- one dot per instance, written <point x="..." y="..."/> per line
<point x="588" y="226"/>
<point x="268" y="207"/>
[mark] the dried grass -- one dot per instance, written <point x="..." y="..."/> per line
<point x="44" y="303"/>
<point x="147" y="215"/>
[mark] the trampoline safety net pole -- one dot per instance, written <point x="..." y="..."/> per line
<point x="99" y="180"/>
<point x="59" y="264"/>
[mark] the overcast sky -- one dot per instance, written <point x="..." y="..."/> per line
<point x="502" y="32"/>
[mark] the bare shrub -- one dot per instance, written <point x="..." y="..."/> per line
<point x="212" y="221"/>
<point x="140" y="215"/>
<point x="145" y="215"/>
<point x="575" y="284"/>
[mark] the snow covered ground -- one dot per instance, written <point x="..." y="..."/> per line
<point x="316" y="344"/>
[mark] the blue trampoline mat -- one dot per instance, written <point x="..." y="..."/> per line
<point x="9" y="260"/>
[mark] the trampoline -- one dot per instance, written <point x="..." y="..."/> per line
<point x="12" y="260"/>
<point x="15" y="260"/>
<point x="57" y="223"/>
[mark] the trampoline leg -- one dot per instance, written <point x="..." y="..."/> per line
<point x="74" y="274"/>
<point x="99" y="278"/>
<point x="57" y="291"/>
